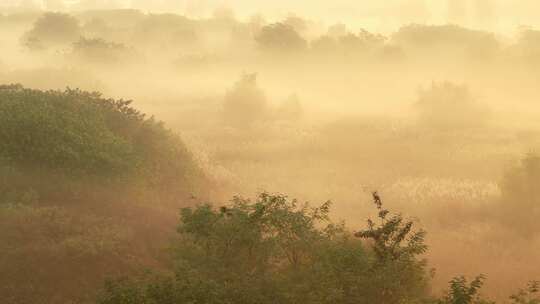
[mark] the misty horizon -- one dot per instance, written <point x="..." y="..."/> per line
<point x="504" y="16"/>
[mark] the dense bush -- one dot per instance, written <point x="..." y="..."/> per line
<point x="84" y="181"/>
<point x="275" y="250"/>
<point x="463" y="292"/>
<point x="62" y="131"/>
<point x="52" y="29"/>
<point x="82" y="134"/>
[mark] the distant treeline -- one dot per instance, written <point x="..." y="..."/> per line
<point x="106" y="32"/>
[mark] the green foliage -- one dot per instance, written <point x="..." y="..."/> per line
<point x="62" y="131"/>
<point x="396" y="247"/>
<point x="530" y="295"/>
<point x="82" y="134"/>
<point x="252" y="234"/>
<point x="393" y="238"/>
<point x="248" y="249"/>
<point x="83" y="181"/>
<point x="274" y="250"/>
<point x="463" y="292"/>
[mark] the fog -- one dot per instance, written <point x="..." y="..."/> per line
<point x="433" y="104"/>
<point x="500" y="15"/>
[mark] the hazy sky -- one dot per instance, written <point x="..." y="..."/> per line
<point x="499" y="15"/>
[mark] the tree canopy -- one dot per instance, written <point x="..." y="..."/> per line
<point x="276" y="250"/>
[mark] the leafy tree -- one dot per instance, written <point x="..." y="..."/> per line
<point x="275" y="250"/>
<point x="396" y="247"/>
<point x="245" y="104"/>
<point x="52" y="29"/>
<point x="297" y="23"/>
<point x="81" y="134"/>
<point x="280" y="38"/>
<point x="393" y="239"/>
<point x="462" y="292"/>
<point x="62" y="131"/>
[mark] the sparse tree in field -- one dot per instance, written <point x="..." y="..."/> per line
<point x="245" y="104"/>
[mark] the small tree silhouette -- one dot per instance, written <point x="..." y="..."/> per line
<point x="393" y="238"/>
<point x="396" y="247"/>
<point x="462" y="292"/>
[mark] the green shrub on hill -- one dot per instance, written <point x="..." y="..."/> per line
<point x="82" y="135"/>
<point x="87" y="185"/>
